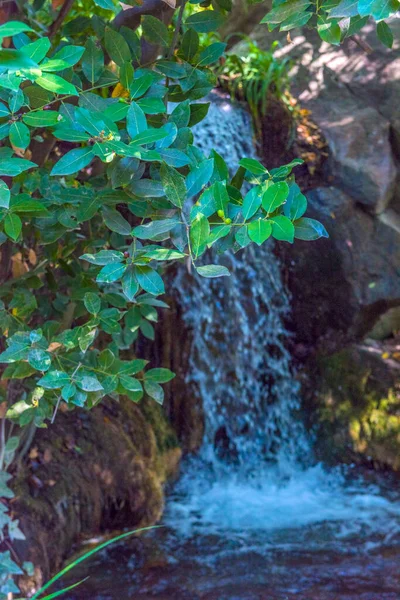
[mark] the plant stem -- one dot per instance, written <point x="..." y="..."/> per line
<point x="177" y="28"/>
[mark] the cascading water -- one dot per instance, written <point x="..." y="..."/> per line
<point x="252" y="518"/>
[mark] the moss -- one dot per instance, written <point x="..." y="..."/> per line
<point x="358" y="412"/>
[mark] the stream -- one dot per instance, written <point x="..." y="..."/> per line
<point x="252" y="516"/>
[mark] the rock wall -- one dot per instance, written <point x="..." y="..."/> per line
<point x="90" y="472"/>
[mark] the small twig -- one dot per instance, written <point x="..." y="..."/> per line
<point x="361" y="43"/>
<point x="177" y="29"/>
<point x="55" y="26"/>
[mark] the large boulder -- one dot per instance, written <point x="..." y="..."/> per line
<point x="356" y="407"/>
<point x="341" y="285"/>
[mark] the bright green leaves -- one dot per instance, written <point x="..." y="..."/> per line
<point x="4" y="195"/>
<point x="73" y="161"/>
<point x="173" y="184"/>
<point x="155" y="32"/>
<point x="282" y="229"/>
<point x="199" y="233"/>
<point x="19" y="136"/>
<point x="259" y="231"/>
<point x="12" y="226"/>
<point x="289" y="14"/>
<point x="253" y="165"/>
<point x="199" y="177"/>
<point x="116" y="47"/>
<point x="56" y="84"/>
<point x="111" y="272"/>
<point x="275" y="196"/>
<point x="251" y="203"/>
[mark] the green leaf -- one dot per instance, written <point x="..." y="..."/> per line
<point x="155" y="32"/>
<point x="4" y="195"/>
<point x="130" y="286"/>
<point x="16" y="60"/>
<point x="155" y="391"/>
<point x="130" y="383"/>
<point x="159" y="375"/>
<point x="116" y="47"/>
<point x="199" y="233"/>
<point x="253" y="165"/>
<point x="205" y="21"/>
<point x="217" y="233"/>
<point x="163" y="254"/>
<point x="106" y="4"/>
<point x="173" y="184"/>
<point x="211" y="54"/>
<point x="73" y="161"/>
<point x="259" y="231"/>
<point x="152" y="106"/>
<point x="14" y="353"/>
<point x="275" y="196"/>
<point x="149" y="280"/>
<point x="41" y="118"/>
<point x="92" y="60"/>
<point x="70" y="54"/>
<point x="54" y="380"/>
<point x="174" y="158"/>
<point x="15" y="166"/>
<point x="385" y="34"/>
<point x="20" y="136"/>
<point x="153" y="229"/>
<point x="13" y="28"/>
<point x="329" y="31"/>
<point x="282" y="229"/>
<point x="199" y="177"/>
<point x="296" y="203"/>
<point x="251" y="203"/>
<point x="12" y="226"/>
<point x="285" y="10"/>
<point x="141" y="85"/>
<point x="56" y="84"/>
<point x="309" y="229"/>
<point x="133" y="41"/>
<point x="116" y="222"/>
<point x="126" y="75"/>
<point x="92" y="303"/>
<point x="171" y="69"/>
<point x="190" y="44"/>
<point x="70" y="135"/>
<point x="149" y="136"/>
<point x="25" y="204"/>
<point x="181" y="114"/>
<point x="198" y="112"/>
<point x="378" y="9"/>
<point x="212" y="271"/>
<point x="37" y="50"/>
<point x="88" y="383"/>
<point x="4" y="112"/>
<point x="345" y="8"/>
<point x="135" y="120"/>
<point x="111" y="272"/>
<point x="39" y="359"/>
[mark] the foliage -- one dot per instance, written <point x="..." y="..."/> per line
<point x="102" y="186"/>
<point x="334" y="19"/>
<point x="79" y="560"/>
<point x="253" y="75"/>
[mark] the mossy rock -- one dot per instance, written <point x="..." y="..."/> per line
<point x="358" y="407"/>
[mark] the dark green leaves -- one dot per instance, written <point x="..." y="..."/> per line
<point x="92" y="303"/>
<point x="116" y="222"/>
<point x="155" y="31"/>
<point x="174" y="185"/>
<point x="205" y="21"/>
<point x="385" y="34"/>
<point x="110" y="273"/>
<point x="282" y="229"/>
<point x="190" y="44"/>
<point x="309" y="229"/>
<point x="211" y="54"/>
<point x="73" y="161"/>
<point x="199" y="177"/>
<point x="12" y="226"/>
<point x="149" y="280"/>
<point x="135" y="120"/>
<point x="116" y="46"/>
<point x="93" y="60"/>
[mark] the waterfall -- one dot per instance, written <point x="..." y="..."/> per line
<point x="239" y="361"/>
<point x="255" y="470"/>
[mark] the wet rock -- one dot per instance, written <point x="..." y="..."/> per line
<point x="112" y="479"/>
<point x="356" y="408"/>
<point x="341" y="285"/>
